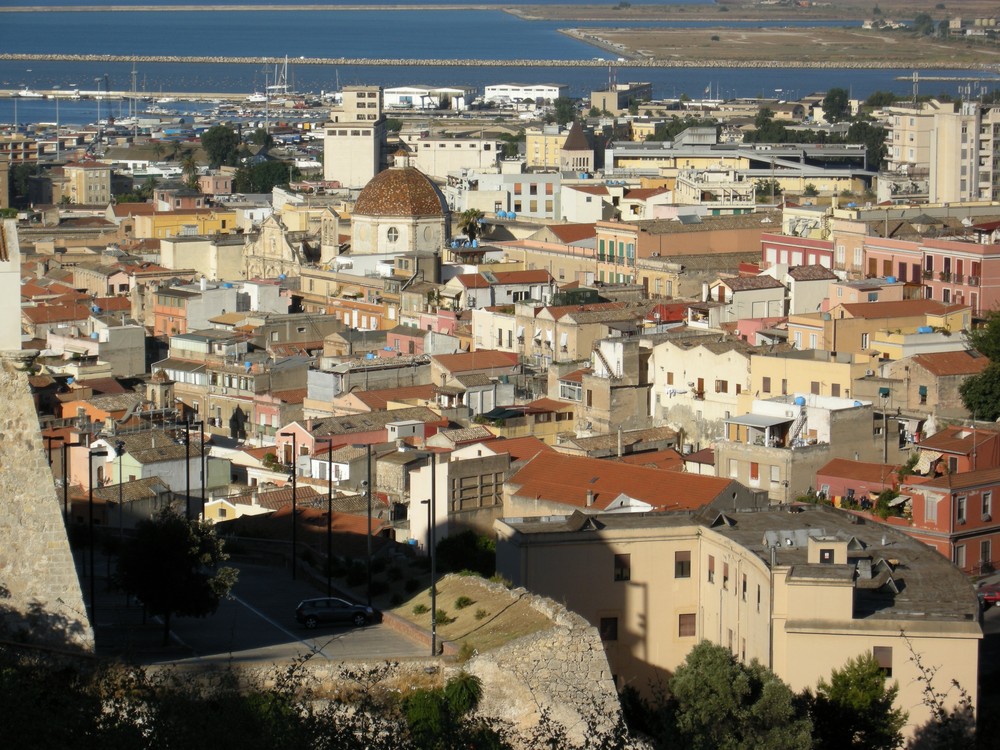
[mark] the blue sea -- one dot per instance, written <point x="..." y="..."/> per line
<point x="417" y="34"/>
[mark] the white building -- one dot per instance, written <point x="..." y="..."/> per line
<point x="352" y="146"/>
<point x="436" y="155"/>
<point x="427" y="97"/>
<point x="502" y="93"/>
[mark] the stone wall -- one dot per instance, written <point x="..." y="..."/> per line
<point x="563" y="669"/>
<point x="40" y="597"/>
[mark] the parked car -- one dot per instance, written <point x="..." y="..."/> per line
<point x="314" y="612"/>
<point x="989" y="595"/>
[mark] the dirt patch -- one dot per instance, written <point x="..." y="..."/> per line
<point x="494" y="617"/>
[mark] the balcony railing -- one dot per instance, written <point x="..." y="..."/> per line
<point x="973" y="281"/>
<point x="944" y="276"/>
<point x="928" y="274"/>
<point x="958" y="278"/>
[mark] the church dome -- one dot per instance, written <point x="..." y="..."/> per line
<point x="400" y="191"/>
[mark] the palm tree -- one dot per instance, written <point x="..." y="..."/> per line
<point x="189" y="166"/>
<point x="469" y="220"/>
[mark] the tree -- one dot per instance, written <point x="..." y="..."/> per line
<point x="767" y="191"/>
<point x="262" y="138"/>
<point x="855" y="709"/>
<point x="725" y="705"/>
<point x="923" y="24"/>
<point x="565" y="110"/>
<point x="981" y="393"/>
<point x="872" y="136"/>
<point x="836" y="105"/>
<point x="810" y="190"/>
<point x="468" y="222"/>
<point x="172" y="565"/>
<point x="221" y="144"/>
<point x="262" y="178"/>
<point x="880" y="99"/>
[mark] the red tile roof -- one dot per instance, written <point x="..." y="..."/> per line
<point x="55" y="313"/>
<point x="478" y="360"/>
<point x="557" y="478"/>
<point x="642" y="194"/>
<point x="968" y="362"/>
<point x="377" y="400"/>
<point x="520" y="448"/>
<point x="478" y="281"/>
<point x="576" y="376"/>
<point x="894" y="309"/>
<point x="548" y="405"/>
<point x="668" y="460"/>
<point x="958" y="439"/>
<point x="859" y="470"/>
<point x="573" y="232"/>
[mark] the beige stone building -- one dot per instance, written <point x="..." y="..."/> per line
<point x="88" y="183"/>
<point x="353" y="143"/>
<point x="800" y="592"/>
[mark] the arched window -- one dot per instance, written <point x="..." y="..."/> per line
<point x="392" y="235"/>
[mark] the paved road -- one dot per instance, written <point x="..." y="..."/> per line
<point x="256" y="625"/>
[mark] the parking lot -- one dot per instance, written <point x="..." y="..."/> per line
<point x="257" y="624"/>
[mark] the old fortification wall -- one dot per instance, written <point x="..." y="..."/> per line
<point x="40" y="597"/>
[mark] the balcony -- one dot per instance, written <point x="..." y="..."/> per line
<point x="944" y="276"/>
<point x="927" y="274"/>
<point x="958" y="278"/>
<point x="973" y="281"/>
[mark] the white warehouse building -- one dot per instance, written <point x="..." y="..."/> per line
<point x="518" y="92"/>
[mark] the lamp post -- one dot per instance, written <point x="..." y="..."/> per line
<point x="65" y="472"/>
<point x="329" y="513"/>
<point x="431" y="521"/>
<point x="119" y="452"/>
<point x="98" y="82"/>
<point x="294" y="437"/>
<point x="91" y="455"/>
<point x="187" y="469"/>
<point x="368" y="492"/>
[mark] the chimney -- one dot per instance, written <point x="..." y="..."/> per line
<point x="309" y="425"/>
<point x="704" y="291"/>
<point x="203" y="284"/>
<point x="590" y="498"/>
<point x="619" y="441"/>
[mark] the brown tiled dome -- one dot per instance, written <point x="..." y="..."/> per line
<point x="400" y="191"/>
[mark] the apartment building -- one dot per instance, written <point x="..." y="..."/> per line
<point x="354" y="138"/>
<point x="88" y="183"/>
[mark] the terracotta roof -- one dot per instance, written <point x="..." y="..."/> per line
<point x="377" y="400"/>
<point x="133" y="209"/>
<point x="941" y="364"/>
<point x="894" y="309"/>
<point x="549" y="405"/>
<point x="521" y="448"/>
<point x="137" y="489"/>
<point x="748" y="283"/>
<point x="400" y="191"/>
<point x="641" y="194"/>
<point x="479" y="281"/>
<point x="704" y="456"/>
<point x="965" y="480"/>
<point x="576" y="376"/>
<point x="957" y="440"/>
<point x="478" y="360"/>
<point x="576" y="140"/>
<point x="476" y="433"/>
<point x="573" y="232"/>
<point x="870" y="473"/>
<point x="113" y="304"/>
<point x="811" y="273"/>
<point x="557" y="478"/>
<point x="55" y="313"/>
<point x="275" y="499"/>
<point x="668" y="460"/>
<point x="591" y="189"/>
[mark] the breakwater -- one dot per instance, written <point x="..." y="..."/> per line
<point x="486" y="63"/>
<point x="230" y="8"/>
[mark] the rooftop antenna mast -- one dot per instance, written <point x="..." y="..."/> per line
<point x="916" y="86"/>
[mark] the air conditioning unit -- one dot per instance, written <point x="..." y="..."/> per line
<point x="987" y="517"/>
<point x="869" y="372"/>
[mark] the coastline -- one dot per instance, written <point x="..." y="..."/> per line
<point x="524" y="63"/>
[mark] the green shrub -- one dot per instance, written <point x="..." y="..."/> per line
<point x="497" y="578"/>
<point x="419" y="609"/>
<point x="357" y="575"/>
<point x="481" y="613"/>
<point x="441" y="617"/>
<point x="466" y="651"/>
<point x="463" y="601"/>
<point x="378" y="565"/>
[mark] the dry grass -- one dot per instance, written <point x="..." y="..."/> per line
<point x="505" y="619"/>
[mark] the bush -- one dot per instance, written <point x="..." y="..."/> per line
<point x="467" y="551"/>
<point x="441" y="617"/>
<point x="463" y="601"/>
<point x="357" y="575"/>
<point x="481" y="613"/>
<point x="466" y="651"/>
<point x="411" y="585"/>
<point x="715" y="37"/>
<point x="497" y="578"/>
<point x="420" y="609"/>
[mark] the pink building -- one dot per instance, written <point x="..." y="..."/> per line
<point x="951" y="270"/>
<point x="794" y="251"/>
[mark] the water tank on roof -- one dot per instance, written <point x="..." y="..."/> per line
<point x="282" y="277"/>
<point x="248" y="366"/>
<point x="69" y="381"/>
<point x="583" y="175"/>
<point x="890" y="279"/>
<point x="370" y="355"/>
<point x="800" y="401"/>
<point x="925" y="329"/>
<point x="454" y="243"/>
<point x="95" y="309"/>
<point x="94" y="335"/>
<point x="475" y="243"/>
<point x="501" y="214"/>
<point x="227" y="285"/>
<point x="511" y="215"/>
<point x="857" y="403"/>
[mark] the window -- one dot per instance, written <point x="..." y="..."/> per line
<point x="711" y="568"/>
<point x="733" y="468"/>
<point x="722" y="386"/>
<point x="758" y="597"/>
<point x="670" y="378"/>
<point x="826" y="556"/>
<point x="609" y="628"/>
<point x="960" y="509"/>
<point x="590" y="397"/>
<point x="766" y="385"/>
<point x="725" y="575"/>
<point x="392" y="235"/>
<point x="686" y="626"/>
<point x="865" y="338"/>
<point x="835" y="390"/>
<point x="960" y="556"/>
<point x="623" y="567"/>
<point x="985" y="553"/>
<point x="930" y="510"/>
<point x="775" y="474"/>
<point x="784" y="387"/>
<point x="987" y="506"/>
<point x="814" y="387"/>
<point x="813" y="340"/>
<point x="754" y="471"/>
<point x="743" y="588"/>
<point x="883" y="655"/>
<point x="682" y="564"/>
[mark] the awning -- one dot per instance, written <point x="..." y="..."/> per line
<point x="883" y="392"/>
<point x="926" y="459"/>
<point x="922" y="390"/>
<point x="538" y="334"/>
<point x="520" y="332"/>
<point x="548" y="336"/>
<point x="563" y="339"/>
<point x="759" y="420"/>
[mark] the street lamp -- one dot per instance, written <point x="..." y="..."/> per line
<point x="65" y="472"/>
<point x="98" y="82"/>
<point x="367" y="484"/>
<point x="329" y="513"/>
<point x="431" y="521"/>
<point x="294" y="437"/>
<point x="90" y="523"/>
<point x="200" y="424"/>
<point x="120" y="451"/>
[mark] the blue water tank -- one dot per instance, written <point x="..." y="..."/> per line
<point x="370" y="355"/>
<point x="857" y="403"/>
<point x="69" y="381"/>
<point x="227" y="285"/>
<point x="890" y="279"/>
<point x="475" y="243"/>
<point x="925" y="329"/>
<point x="800" y="401"/>
<point x="248" y="366"/>
<point x="501" y="214"/>
<point x="454" y="243"/>
<point x="94" y="335"/>
<point x="583" y="175"/>
<point x="95" y="309"/>
<point x="511" y="215"/>
<point x="281" y="277"/>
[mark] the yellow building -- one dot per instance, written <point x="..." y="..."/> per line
<point x="543" y="146"/>
<point x="799" y="592"/>
<point x="163" y="224"/>
<point x="809" y="371"/>
<point x="88" y="183"/>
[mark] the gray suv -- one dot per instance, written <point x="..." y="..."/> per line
<point x="314" y="612"/>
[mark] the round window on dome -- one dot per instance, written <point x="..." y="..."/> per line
<point x="392" y="235"/>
